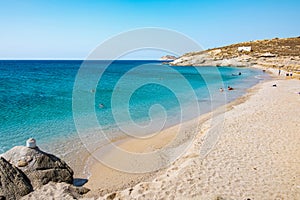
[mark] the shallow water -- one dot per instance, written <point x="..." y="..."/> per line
<point x="36" y="97"/>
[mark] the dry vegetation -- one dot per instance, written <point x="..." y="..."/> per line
<point x="279" y="47"/>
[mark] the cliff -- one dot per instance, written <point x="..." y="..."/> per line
<point x="274" y="53"/>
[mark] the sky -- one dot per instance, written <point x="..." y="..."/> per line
<point x="66" y="29"/>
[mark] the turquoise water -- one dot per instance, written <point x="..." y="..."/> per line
<point x="36" y="96"/>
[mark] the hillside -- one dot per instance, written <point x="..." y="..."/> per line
<point x="284" y="53"/>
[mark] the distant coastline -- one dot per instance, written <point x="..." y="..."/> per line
<point x="275" y="53"/>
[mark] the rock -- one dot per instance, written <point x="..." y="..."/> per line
<point x="13" y="182"/>
<point x="31" y="143"/>
<point x="57" y="191"/>
<point x="22" y="163"/>
<point x="266" y="53"/>
<point x="38" y="166"/>
<point x="168" y="58"/>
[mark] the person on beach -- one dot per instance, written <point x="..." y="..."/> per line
<point x="279" y="72"/>
<point x="221" y="89"/>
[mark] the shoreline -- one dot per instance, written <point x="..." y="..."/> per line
<point x="100" y="174"/>
<point x="249" y="169"/>
<point x="80" y="155"/>
<point x="278" y="106"/>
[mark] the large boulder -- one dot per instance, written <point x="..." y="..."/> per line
<point x="40" y="167"/>
<point x="13" y="182"/>
<point x="57" y="191"/>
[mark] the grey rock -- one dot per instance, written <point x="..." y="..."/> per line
<point x="168" y="58"/>
<point x="13" y="182"/>
<point x="40" y="167"/>
<point x="57" y="191"/>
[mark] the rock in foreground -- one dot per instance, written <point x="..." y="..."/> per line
<point x="13" y="182"/>
<point x="38" y="166"/>
<point x="57" y="191"/>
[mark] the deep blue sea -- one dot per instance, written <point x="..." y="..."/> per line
<point x="36" y="97"/>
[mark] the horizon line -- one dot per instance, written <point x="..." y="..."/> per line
<point x="75" y="59"/>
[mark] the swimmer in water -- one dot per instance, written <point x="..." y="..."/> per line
<point x="101" y="105"/>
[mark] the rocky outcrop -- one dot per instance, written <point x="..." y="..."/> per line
<point x="38" y="166"/>
<point x="168" y="58"/>
<point x="29" y="173"/>
<point x="275" y="53"/>
<point x="207" y="59"/>
<point x="57" y="191"/>
<point x="13" y="182"/>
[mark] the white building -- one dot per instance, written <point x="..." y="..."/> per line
<point x="248" y="49"/>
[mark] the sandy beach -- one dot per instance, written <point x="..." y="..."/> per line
<point x="256" y="156"/>
<point x="150" y="100"/>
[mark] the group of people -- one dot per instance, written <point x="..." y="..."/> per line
<point x="101" y="105"/>
<point x="228" y="88"/>
<point x="231" y="88"/>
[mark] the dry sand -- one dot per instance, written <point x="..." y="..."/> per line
<point x="106" y="179"/>
<point x="257" y="155"/>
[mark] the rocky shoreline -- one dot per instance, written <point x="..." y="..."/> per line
<point x="26" y="172"/>
<point x="276" y="53"/>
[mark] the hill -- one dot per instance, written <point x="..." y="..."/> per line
<point x="276" y="53"/>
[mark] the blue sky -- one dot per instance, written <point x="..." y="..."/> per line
<point x="72" y="29"/>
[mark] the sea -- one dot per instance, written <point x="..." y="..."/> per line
<point x="53" y="100"/>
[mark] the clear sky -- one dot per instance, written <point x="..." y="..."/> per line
<point x="71" y="29"/>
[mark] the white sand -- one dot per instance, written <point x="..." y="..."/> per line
<point x="257" y="155"/>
